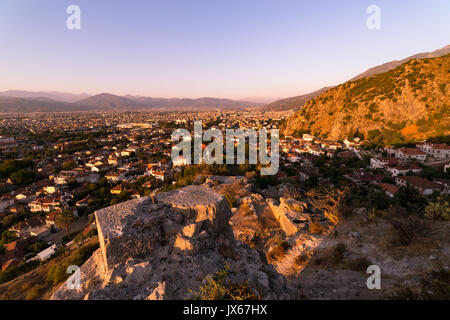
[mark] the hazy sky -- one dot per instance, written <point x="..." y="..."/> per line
<point x="196" y="48"/>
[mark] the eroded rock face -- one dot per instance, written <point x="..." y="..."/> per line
<point x="290" y="215"/>
<point x="161" y="247"/>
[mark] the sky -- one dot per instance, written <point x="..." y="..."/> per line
<point x="238" y="49"/>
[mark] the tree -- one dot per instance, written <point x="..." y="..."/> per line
<point x="23" y="177"/>
<point x="438" y="210"/>
<point x="64" y="220"/>
<point x="68" y="165"/>
<point x="411" y="199"/>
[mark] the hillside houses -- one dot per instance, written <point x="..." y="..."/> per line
<point x="46" y="204"/>
<point x="424" y="186"/>
<point x="115" y="176"/>
<point x="436" y="151"/>
<point x="88" y="163"/>
<point x="389" y="189"/>
<point x="403" y="169"/>
<point x="410" y="154"/>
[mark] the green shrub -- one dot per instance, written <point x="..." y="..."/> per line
<point x="220" y="288"/>
<point x="438" y="210"/>
<point x="230" y="199"/>
<point x="58" y="272"/>
<point x="406" y="229"/>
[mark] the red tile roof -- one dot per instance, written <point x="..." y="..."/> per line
<point x="420" y="182"/>
<point x="388" y="187"/>
<point x="412" y="152"/>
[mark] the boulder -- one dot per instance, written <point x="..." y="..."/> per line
<point x="158" y="293"/>
<point x="290" y="215"/>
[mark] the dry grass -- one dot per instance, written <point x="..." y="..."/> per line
<point x="359" y="264"/>
<point x="316" y="228"/>
<point x="235" y="189"/>
<point x="331" y="257"/>
<point x="278" y="251"/>
<point x="407" y="229"/>
<point x="302" y="259"/>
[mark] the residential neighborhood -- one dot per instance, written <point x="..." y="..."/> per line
<point x="58" y="169"/>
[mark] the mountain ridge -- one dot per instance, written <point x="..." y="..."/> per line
<point x="53" y="95"/>
<point x="395" y="63"/>
<point x="299" y="101"/>
<point x="410" y="101"/>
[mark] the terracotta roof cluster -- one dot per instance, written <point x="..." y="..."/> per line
<point x="420" y="182"/>
<point x="440" y="146"/>
<point x="412" y="152"/>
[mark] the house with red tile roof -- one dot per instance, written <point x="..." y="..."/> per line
<point x="424" y="186"/>
<point x="437" y="151"/>
<point x="390" y="189"/>
<point x="411" y="153"/>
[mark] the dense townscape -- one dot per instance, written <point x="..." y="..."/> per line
<point x="57" y="169"/>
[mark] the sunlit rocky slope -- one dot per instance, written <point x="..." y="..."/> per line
<point x="411" y="100"/>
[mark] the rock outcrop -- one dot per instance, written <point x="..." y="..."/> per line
<point x="163" y="247"/>
<point x="290" y="214"/>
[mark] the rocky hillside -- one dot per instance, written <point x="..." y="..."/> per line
<point x="167" y="246"/>
<point x="411" y="100"/>
<point x="274" y="243"/>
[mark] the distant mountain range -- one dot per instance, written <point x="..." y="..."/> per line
<point x="40" y="95"/>
<point x="25" y="101"/>
<point x="299" y="101"/>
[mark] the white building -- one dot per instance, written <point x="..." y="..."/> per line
<point x="410" y="153"/>
<point x="308" y="137"/>
<point x="447" y="167"/>
<point x="437" y="151"/>
<point x="378" y="163"/>
<point x="45" y="254"/>
<point x="424" y="186"/>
